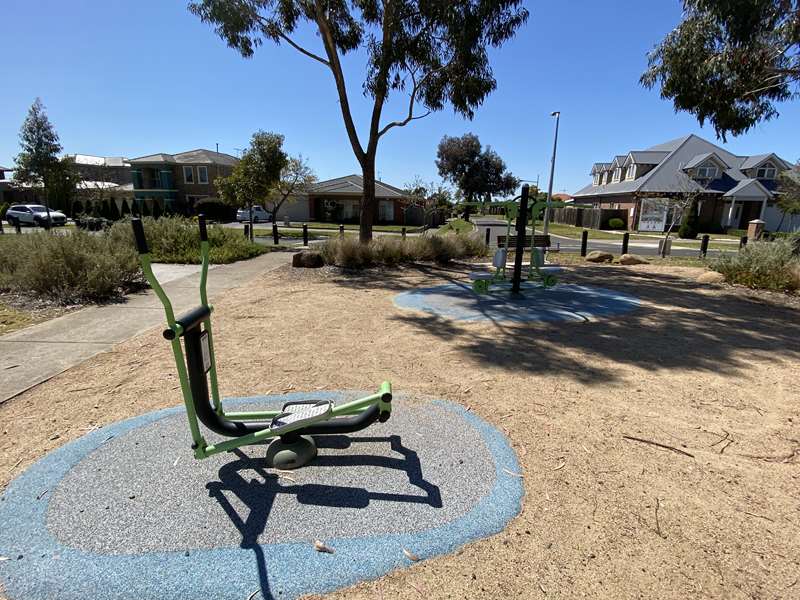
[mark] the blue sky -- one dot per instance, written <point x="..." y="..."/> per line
<point x="134" y="78"/>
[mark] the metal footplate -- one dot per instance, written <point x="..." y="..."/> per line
<point x="297" y="415"/>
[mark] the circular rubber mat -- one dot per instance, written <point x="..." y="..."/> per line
<point x="127" y="512"/>
<point x="563" y="302"/>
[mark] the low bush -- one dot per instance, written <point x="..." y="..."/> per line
<point x="3" y="209"/>
<point x="68" y="268"/>
<point x="177" y="240"/>
<point x="391" y="251"/>
<point x="762" y="265"/>
<point x="616" y="223"/>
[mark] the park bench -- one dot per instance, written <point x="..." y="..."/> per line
<point x="535" y="241"/>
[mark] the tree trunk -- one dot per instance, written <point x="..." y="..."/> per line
<point x="368" y="202"/>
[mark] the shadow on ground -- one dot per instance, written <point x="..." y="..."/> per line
<point x="680" y="325"/>
<point x="257" y="494"/>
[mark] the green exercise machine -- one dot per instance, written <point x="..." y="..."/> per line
<point x="482" y="282"/>
<point x="288" y="431"/>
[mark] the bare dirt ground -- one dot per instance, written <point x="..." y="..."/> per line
<point x="709" y="373"/>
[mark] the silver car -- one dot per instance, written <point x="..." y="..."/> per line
<point x="259" y="215"/>
<point x="33" y="214"/>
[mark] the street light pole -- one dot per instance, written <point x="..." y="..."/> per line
<point x="557" y="115"/>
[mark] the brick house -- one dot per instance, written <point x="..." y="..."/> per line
<point x="338" y="201"/>
<point x="176" y="181"/>
<point x="733" y="190"/>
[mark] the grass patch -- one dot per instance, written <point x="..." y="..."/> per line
<point x="456" y="226"/>
<point x="354" y="227"/>
<point x="12" y="319"/>
<point x="177" y="240"/>
<point x="391" y="251"/>
<point x="68" y="268"/>
<point x="763" y="265"/>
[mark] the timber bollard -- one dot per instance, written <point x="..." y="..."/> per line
<point x="403" y="232"/>
<point x="341" y="231"/>
<point x="305" y="234"/>
<point x="704" y="245"/>
<point x="625" y="239"/>
<point x="742" y="242"/>
<point x="488" y="234"/>
<point x="247" y="230"/>
<point x="584" y="241"/>
<point x="275" y="235"/>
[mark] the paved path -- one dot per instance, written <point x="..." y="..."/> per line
<point x="37" y="353"/>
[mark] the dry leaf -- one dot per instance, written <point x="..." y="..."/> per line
<point x="512" y="473"/>
<point x="320" y="547"/>
<point x="410" y="555"/>
<point x="561" y="466"/>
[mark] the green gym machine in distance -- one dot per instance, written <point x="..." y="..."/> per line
<point x="287" y="430"/>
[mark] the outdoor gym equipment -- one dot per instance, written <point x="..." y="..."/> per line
<point x="287" y="429"/>
<point x="519" y="212"/>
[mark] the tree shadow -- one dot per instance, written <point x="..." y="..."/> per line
<point x="258" y="494"/>
<point x="680" y="325"/>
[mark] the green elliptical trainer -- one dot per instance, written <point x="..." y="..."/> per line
<point x="288" y="430"/>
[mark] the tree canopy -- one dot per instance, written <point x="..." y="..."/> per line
<point x="256" y="174"/>
<point x="478" y="172"/>
<point x="434" y="51"/>
<point x="729" y="62"/>
<point x="39" y="147"/>
<point x="296" y="177"/>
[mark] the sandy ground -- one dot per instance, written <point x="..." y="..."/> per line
<point x="710" y="372"/>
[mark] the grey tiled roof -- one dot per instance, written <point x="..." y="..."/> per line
<point x="753" y="161"/>
<point x="200" y="156"/>
<point x="354" y="185"/>
<point x="646" y="157"/>
<point x="667" y="176"/>
<point x="745" y="183"/>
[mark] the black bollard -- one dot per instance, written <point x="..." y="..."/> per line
<point x="403" y="232"/>
<point x="625" y="239"/>
<point x="584" y="241"/>
<point x="522" y="222"/>
<point x="743" y="242"/>
<point x="305" y="234"/>
<point x="704" y="245"/>
<point x="275" y="235"/>
<point x="1" y="226"/>
<point x="247" y="230"/>
<point x="341" y="231"/>
<point x="488" y="233"/>
<point x="18" y="227"/>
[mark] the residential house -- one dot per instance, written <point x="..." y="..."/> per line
<point x="5" y="185"/>
<point x="339" y="200"/>
<point x="176" y="181"/>
<point x="107" y="169"/>
<point x="731" y="190"/>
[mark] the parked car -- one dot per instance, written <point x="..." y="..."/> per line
<point x="259" y="215"/>
<point x="33" y="214"/>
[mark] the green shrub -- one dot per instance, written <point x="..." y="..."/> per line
<point x="762" y="265"/>
<point x="689" y="223"/>
<point x="177" y="240"/>
<point x="69" y="268"/>
<point x="3" y="208"/>
<point x="393" y="250"/>
<point x="616" y="223"/>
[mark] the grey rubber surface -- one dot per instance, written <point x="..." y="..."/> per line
<point x="144" y="492"/>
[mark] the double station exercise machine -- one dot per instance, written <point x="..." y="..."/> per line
<point x="287" y="430"/>
<point x="519" y="211"/>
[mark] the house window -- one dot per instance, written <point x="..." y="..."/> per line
<point x="631" y="172"/>
<point x="766" y="171"/>
<point x="707" y="172"/>
<point x="617" y="174"/>
<point x="188" y="174"/>
<point x="202" y="174"/>
<point x="596" y="179"/>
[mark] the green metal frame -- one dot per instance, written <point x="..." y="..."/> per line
<point x="203" y="449"/>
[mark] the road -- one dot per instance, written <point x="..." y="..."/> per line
<point x="572" y="245"/>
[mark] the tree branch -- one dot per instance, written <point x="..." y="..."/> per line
<point x="411" y="102"/>
<point x="299" y="48"/>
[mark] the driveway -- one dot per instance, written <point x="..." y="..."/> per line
<point x="37" y="353"/>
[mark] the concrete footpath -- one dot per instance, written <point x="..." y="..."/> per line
<point x="37" y="353"/>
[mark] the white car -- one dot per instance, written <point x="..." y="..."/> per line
<point x="33" y="214"/>
<point x="259" y="215"/>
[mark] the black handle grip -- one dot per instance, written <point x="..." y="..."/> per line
<point x="201" y="220"/>
<point x="138" y="233"/>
